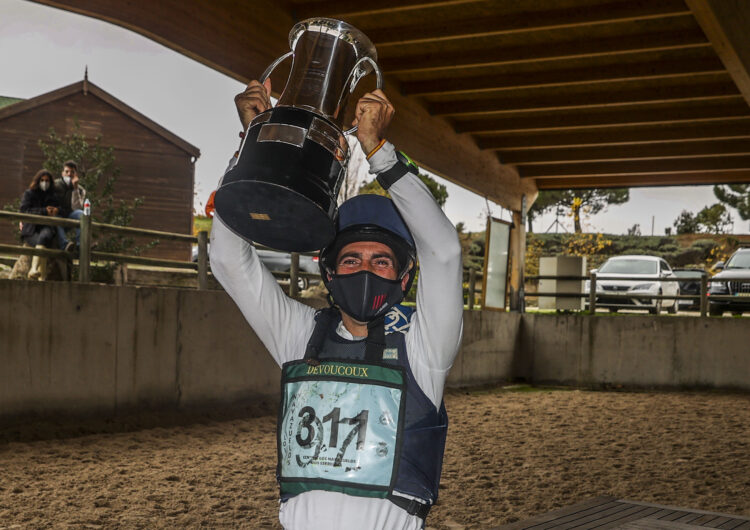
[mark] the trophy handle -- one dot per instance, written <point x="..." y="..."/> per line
<point x="273" y="66"/>
<point x="355" y="79"/>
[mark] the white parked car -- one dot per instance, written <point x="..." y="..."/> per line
<point x="282" y="261"/>
<point x="644" y="270"/>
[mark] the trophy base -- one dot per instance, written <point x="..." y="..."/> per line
<point x="282" y="191"/>
<point x="274" y="216"/>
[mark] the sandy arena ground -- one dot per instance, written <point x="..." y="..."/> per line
<point x="510" y="455"/>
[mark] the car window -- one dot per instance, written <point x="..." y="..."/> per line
<point x="664" y="266"/>
<point x="629" y="266"/>
<point x="740" y="260"/>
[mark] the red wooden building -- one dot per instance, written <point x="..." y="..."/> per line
<point x="154" y="164"/>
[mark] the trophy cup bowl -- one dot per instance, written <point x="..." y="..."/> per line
<point x="282" y="191"/>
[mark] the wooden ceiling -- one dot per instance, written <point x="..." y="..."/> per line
<point x="575" y="92"/>
<point x="508" y="96"/>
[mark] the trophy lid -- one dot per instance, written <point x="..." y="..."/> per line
<point x="362" y="45"/>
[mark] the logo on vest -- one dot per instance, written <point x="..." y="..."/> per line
<point x="337" y="369"/>
<point x="390" y="353"/>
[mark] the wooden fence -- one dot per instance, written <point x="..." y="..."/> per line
<point x="86" y="254"/>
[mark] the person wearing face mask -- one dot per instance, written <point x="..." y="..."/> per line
<point x="39" y="199"/>
<point x="71" y="196"/>
<point x="362" y="424"/>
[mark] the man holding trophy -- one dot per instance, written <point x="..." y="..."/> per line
<point x="362" y="424"/>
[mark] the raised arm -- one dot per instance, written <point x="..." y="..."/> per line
<point x="281" y="323"/>
<point x="435" y="334"/>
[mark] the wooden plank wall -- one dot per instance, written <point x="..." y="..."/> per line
<point x="150" y="166"/>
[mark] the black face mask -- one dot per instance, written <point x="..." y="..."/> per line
<point x="364" y="295"/>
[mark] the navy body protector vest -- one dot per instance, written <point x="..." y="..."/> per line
<point x="370" y="383"/>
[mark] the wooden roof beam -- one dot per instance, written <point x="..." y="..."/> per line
<point x="726" y="24"/>
<point x="216" y="34"/>
<point x="600" y="169"/>
<point x="558" y="78"/>
<point x="703" y="88"/>
<point x="739" y="128"/>
<point x="217" y="37"/>
<point x="548" y="51"/>
<point x="604" y="13"/>
<point x="692" y="148"/>
<point x="656" y="113"/>
<point x="343" y="9"/>
<point x="646" y="180"/>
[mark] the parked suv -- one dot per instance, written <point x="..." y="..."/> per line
<point x="735" y="274"/>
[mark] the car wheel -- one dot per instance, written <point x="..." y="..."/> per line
<point x="737" y="313"/>
<point x="715" y="311"/>
<point x="672" y="310"/>
<point x="302" y="283"/>
<point x="613" y="310"/>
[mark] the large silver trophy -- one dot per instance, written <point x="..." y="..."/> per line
<point x="282" y="191"/>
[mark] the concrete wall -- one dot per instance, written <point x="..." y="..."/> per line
<point x="79" y="349"/>
<point x="488" y="349"/>
<point x="92" y="348"/>
<point x="637" y="351"/>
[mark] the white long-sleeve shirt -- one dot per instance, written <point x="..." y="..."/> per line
<point x="285" y="326"/>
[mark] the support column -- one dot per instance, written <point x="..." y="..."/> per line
<point x="517" y="259"/>
<point x="84" y="251"/>
<point x="202" y="260"/>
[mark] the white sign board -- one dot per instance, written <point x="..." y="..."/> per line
<point x="497" y="244"/>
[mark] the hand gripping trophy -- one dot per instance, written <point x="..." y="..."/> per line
<point x="282" y="191"/>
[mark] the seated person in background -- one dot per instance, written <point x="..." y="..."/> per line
<point x="70" y="196"/>
<point x="39" y="199"/>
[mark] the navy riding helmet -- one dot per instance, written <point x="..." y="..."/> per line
<point x="370" y="218"/>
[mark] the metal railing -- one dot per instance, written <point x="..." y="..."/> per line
<point x="471" y="276"/>
<point x="86" y="253"/>
<point x="703" y="296"/>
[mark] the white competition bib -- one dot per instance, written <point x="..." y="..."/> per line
<point x="340" y="427"/>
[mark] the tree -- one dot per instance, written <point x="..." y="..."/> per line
<point x="545" y="201"/>
<point x="714" y="219"/>
<point x="686" y="223"/>
<point x="98" y="174"/>
<point x="473" y="250"/>
<point x="578" y="202"/>
<point x="439" y="191"/>
<point x="634" y="230"/>
<point x="593" y="201"/>
<point x="737" y="196"/>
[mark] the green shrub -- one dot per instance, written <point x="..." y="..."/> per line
<point x="675" y="250"/>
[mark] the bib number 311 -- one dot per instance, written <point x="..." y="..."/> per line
<point x="311" y="432"/>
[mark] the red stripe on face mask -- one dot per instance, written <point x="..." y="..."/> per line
<point x="378" y="301"/>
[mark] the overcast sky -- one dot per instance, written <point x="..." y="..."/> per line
<point x="42" y="49"/>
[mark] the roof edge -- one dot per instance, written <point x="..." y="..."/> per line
<point x="87" y="87"/>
